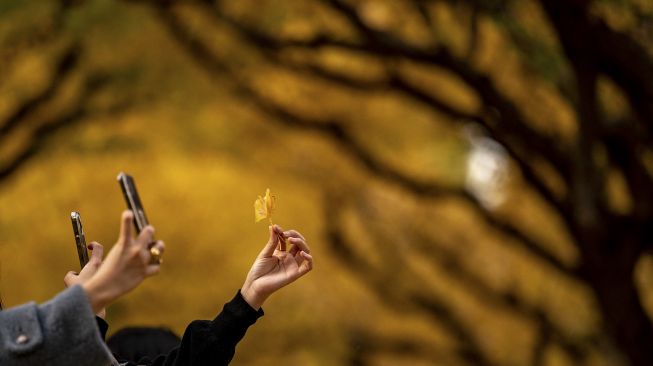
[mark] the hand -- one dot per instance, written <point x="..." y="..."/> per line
<point x="125" y="267"/>
<point x="74" y="278"/>
<point x="274" y="269"/>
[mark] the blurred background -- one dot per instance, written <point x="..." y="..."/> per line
<point x="474" y="177"/>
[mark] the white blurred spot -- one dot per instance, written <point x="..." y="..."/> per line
<point x="487" y="168"/>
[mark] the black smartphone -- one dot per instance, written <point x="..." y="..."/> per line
<point x="133" y="200"/>
<point x="80" y="239"/>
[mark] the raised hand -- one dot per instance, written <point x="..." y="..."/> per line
<point x="89" y="270"/>
<point x="125" y="267"/>
<point x="274" y="269"/>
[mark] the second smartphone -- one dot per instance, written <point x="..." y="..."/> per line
<point x="133" y="200"/>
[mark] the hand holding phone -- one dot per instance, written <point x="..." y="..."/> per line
<point x="134" y="204"/>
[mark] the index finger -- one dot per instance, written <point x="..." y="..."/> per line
<point x="301" y="243"/>
<point x="293" y="234"/>
<point x="126" y="226"/>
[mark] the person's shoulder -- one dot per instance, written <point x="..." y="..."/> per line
<point x="14" y="313"/>
<point x="20" y="329"/>
<point x="60" y="331"/>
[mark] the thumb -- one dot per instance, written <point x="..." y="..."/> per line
<point x="268" y="249"/>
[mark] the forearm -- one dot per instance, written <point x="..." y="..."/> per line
<point x="213" y="342"/>
<point x="232" y="323"/>
<point x="99" y="295"/>
<point x="37" y="334"/>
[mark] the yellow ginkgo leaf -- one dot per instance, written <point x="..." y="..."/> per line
<point x="269" y="202"/>
<point x="263" y="207"/>
<point x="260" y="210"/>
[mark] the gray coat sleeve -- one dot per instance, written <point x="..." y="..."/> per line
<point x="60" y="332"/>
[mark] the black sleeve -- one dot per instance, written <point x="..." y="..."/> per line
<point x="211" y="342"/>
<point x="103" y="326"/>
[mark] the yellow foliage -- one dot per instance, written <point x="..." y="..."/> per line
<point x="264" y="207"/>
<point x="194" y="146"/>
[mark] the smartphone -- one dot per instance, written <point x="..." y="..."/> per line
<point x="133" y="200"/>
<point x="80" y="239"/>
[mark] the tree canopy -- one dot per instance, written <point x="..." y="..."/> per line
<point x="476" y="175"/>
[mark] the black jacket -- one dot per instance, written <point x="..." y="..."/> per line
<point x="206" y="342"/>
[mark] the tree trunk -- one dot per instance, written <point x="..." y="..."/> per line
<point x="613" y="283"/>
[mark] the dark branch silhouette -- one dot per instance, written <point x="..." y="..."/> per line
<point x="347" y="142"/>
<point x="584" y="210"/>
<point x="63" y="68"/>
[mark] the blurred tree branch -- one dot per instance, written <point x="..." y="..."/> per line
<point x="444" y="257"/>
<point x="62" y="70"/>
<point x="348" y="143"/>
<point x="28" y="117"/>
<point x="502" y="119"/>
<point x="499" y="115"/>
<point x="434" y="306"/>
<point x="585" y="51"/>
<point x="46" y="128"/>
<point x="364" y="344"/>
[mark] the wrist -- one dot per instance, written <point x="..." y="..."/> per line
<point x="99" y="296"/>
<point x="252" y="297"/>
